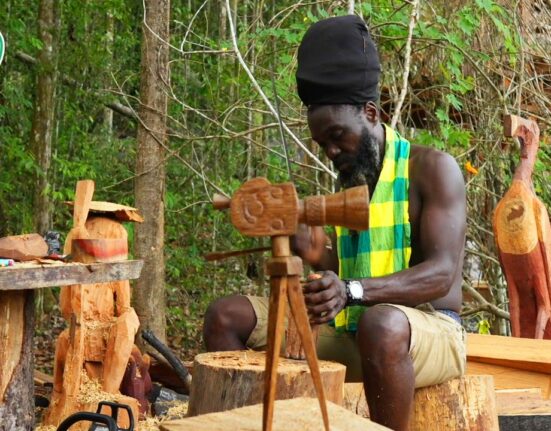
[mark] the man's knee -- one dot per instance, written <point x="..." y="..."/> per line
<point x="383" y="333"/>
<point x="230" y="314"/>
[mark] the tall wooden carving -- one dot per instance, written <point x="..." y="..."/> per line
<point x="523" y="236"/>
<point x="99" y="341"/>
<point x="260" y="208"/>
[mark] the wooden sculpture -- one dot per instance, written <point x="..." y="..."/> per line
<point x="260" y="208"/>
<point x="523" y="236"/>
<point x="98" y="344"/>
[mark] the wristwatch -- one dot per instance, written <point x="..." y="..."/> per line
<point x="354" y="292"/>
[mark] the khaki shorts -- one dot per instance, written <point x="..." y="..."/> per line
<point x="437" y="346"/>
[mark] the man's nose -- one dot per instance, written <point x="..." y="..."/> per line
<point x="332" y="151"/>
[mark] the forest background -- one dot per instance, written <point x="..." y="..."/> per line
<point x="164" y="103"/>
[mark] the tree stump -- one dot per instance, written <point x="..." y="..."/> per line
<point x="299" y="414"/>
<point x="467" y="403"/>
<point x="235" y="379"/>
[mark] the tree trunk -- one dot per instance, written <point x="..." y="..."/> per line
<point x="16" y="373"/>
<point x="49" y="23"/>
<point x="150" y="167"/>
<point x="235" y="379"/>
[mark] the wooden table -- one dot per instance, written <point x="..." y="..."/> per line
<point x="17" y="284"/>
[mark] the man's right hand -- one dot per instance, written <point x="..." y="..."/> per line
<point x="309" y="243"/>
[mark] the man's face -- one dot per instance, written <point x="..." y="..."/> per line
<point x="347" y="139"/>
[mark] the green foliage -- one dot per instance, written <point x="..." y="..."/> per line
<point x="461" y="51"/>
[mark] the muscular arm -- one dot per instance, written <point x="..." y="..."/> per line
<point x="438" y="249"/>
<point x="441" y="239"/>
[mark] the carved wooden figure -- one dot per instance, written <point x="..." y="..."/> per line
<point x="260" y="208"/>
<point x="100" y="338"/>
<point x="523" y="236"/>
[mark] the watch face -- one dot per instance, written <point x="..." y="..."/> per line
<point x="356" y="289"/>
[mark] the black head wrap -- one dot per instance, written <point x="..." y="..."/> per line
<point x="338" y="63"/>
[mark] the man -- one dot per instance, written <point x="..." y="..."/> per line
<point x="391" y="294"/>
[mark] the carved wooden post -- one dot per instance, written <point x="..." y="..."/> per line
<point x="523" y="236"/>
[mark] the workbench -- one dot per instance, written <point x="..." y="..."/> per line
<point x="17" y="285"/>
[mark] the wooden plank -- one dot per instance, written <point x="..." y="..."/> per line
<point x="511" y="378"/>
<point x="521" y="353"/>
<point x="298" y="414"/>
<point x="521" y="402"/>
<point x="43" y="379"/>
<point x="34" y="276"/>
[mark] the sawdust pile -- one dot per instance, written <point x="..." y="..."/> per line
<point x="91" y="391"/>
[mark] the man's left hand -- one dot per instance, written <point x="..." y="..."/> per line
<point x="325" y="296"/>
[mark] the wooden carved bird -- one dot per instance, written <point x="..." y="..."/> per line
<point x="523" y="236"/>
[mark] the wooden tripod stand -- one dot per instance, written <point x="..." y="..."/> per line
<point x="285" y="271"/>
<point x="260" y="208"/>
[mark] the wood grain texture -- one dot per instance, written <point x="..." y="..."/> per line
<point x="511" y="378"/>
<point x="466" y="404"/>
<point x="35" y="276"/>
<point x="521" y="353"/>
<point x="521" y="401"/>
<point x="298" y="414"/>
<point x="236" y="379"/>
<point x="16" y="360"/>
<point x="349" y="208"/>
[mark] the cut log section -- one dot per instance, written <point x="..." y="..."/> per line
<point x="299" y="414"/>
<point x="466" y="403"/>
<point x="236" y="379"/>
<point x="23" y="247"/>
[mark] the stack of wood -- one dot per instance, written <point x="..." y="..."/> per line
<point x="93" y="354"/>
<point x="521" y="368"/>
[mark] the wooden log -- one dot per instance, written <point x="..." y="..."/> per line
<point x="466" y="403"/>
<point x="23" y="247"/>
<point x="236" y="379"/>
<point x="299" y="414"/>
<point x="16" y="365"/>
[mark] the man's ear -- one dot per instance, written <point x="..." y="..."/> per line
<point x="371" y="112"/>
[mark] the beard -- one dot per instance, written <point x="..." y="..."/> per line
<point x="364" y="167"/>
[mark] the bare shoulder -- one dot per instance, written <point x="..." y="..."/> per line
<point x="435" y="174"/>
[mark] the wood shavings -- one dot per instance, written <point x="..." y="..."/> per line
<point x="149" y="424"/>
<point x="91" y="391"/>
<point x="179" y="411"/>
<point x="45" y="428"/>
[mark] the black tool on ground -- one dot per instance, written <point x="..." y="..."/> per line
<point x="100" y="421"/>
<point x="171" y="358"/>
<point x="163" y="399"/>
